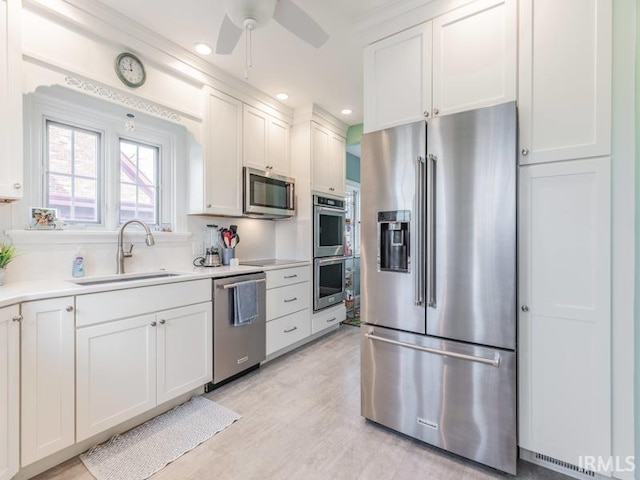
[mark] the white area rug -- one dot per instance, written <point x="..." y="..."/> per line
<point x="146" y="449"/>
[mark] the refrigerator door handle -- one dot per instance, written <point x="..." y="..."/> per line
<point x="431" y="232"/>
<point x="494" y="362"/>
<point x="420" y="221"/>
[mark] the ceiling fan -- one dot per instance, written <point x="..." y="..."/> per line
<point x="247" y="15"/>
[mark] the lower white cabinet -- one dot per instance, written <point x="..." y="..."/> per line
<point x="328" y="318"/>
<point x="287" y="330"/>
<point x="9" y="388"/>
<point x="565" y="309"/>
<point x="47" y="368"/>
<point x="129" y="366"/>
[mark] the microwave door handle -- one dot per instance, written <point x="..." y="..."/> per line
<point x="290" y="197"/>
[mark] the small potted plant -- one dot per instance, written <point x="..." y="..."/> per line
<point x="7" y="252"/>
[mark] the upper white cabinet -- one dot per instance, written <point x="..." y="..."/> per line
<point x="565" y="317"/>
<point x="265" y="142"/>
<point x="474" y="56"/>
<point x="11" y="101"/>
<point x="9" y="388"/>
<point x="217" y="185"/>
<point x="48" y="380"/>
<point x="328" y="158"/>
<point x="397" y="79"/>
<point x="462" y="60"/>
<point x="565" y="79"/>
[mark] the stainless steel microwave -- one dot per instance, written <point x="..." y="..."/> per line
<point x="268" y="195"/>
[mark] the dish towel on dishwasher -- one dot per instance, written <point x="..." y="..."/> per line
<point x="245" y="303"/>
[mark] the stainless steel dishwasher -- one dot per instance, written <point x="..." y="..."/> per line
<point x="236" y="348"/>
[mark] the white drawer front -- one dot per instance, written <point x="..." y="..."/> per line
<point x="285" y="300"/>
<point x="288" y="276"/>
<point x="104" y="306"/>
<point x="285" y="331"/>
<point x="327" y="319"/>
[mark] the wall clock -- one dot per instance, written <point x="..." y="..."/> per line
<point x="130" y="70"/>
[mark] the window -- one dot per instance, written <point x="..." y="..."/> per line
<point x="72" y="166"/>
<point x="95" y="171"/>
<point x="139" y="181"/>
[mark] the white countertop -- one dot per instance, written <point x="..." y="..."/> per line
<point x="17" y="292"/>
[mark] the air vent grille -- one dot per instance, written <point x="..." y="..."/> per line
<point x="563" y="464"/>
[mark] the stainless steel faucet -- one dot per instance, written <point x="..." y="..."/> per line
<point x="121" y="255"/>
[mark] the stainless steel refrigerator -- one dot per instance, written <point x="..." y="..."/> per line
<point x="438" y="344"/>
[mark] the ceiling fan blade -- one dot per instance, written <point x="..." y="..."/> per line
<point x="298" y="22"/>
<point x="228" y="37"/>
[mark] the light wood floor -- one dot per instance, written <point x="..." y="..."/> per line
<point x="301" y="420"/>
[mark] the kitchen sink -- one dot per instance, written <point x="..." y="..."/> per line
<point x="125" y="278"/>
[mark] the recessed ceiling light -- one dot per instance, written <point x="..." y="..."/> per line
<point x="202" y="48"/>
<point x="282" y="96"/>
<point x="346" y="111"/>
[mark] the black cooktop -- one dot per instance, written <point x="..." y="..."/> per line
<point x="270" y="262"/>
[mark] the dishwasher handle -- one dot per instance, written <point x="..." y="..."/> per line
<point x="234" y="285"/>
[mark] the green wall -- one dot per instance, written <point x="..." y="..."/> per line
<point x="353" y="168"/>
<point x="354" y="134"/>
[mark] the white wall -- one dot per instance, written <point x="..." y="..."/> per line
<point x="56" y="50"/>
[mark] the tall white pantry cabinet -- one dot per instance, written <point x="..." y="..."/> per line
<point x="562" y="85"/>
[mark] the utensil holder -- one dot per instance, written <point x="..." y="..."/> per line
<point x="227" y="255"/>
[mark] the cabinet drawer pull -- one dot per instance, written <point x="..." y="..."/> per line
<point x="17" y="318"/>
<point x="331" y="320"/>
<point x="69" y="308"/>
<point x="288" y="300"/>
<point x="290" y="276"/>
<point x="291" y="330"/>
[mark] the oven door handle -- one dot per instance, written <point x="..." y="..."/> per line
<point x="324" y="261"/>
<point x="331" y="210"/>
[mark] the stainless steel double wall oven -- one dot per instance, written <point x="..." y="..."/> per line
<point x="328" y="251"/>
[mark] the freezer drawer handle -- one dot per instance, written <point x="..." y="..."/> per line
<point x="495" y="362"/>
<point x="234" y="285"/>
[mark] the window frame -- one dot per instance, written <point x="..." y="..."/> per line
<point x="110" y="123"/>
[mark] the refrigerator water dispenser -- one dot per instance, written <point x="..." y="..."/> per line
<point x="393" y="240"/>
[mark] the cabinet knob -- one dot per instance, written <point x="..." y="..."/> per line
<point x="153" y="324"/>
<point x="524" y="308"/>
<point x="525" y="152"/>
<point x="331" y="189"/>
<point x="436" y="111"/>
<point x="69" y="308"/>
<point x="426" y="114"/>
<point x="162" y="322"/>
<point x="17" y="185"/>
<point x="208" y="205"/>
<point x="17" y="318"/>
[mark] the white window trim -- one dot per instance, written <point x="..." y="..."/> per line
<point x="39" y="108"/>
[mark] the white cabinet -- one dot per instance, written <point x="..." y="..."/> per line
<point x="11" y="101"/>
<point x="9" y="388"/>
<point x="462" y="60"/>
<point x="129" y="366"/>
<point x="185" y="350"/>
<point x="397" y="79"/>
<point x="328" y="318"/>
<point x="288" y="308"/>
<point x="474" y="56"/>
<point x="565" y="316"/>
<point x="329" y="159"/>
<point x="265" y="142"/>
<point x="47" y="366"/>
<point x="216" y="186"/>
<point x="116" y="373"/>
<point x="565" y="79"/>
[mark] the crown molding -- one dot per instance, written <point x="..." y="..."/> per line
<point x="315" y="113"/>
<point x="93" y="18"/>
<point x="398" y="15"/>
